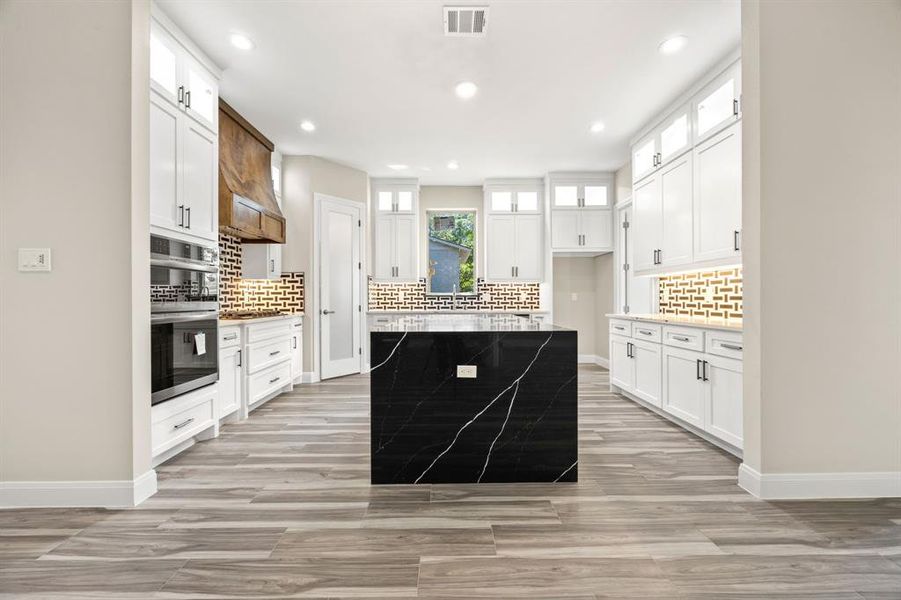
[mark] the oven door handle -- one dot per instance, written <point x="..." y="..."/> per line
<point x="183" y="317"/>
<point x="183" y="264"/>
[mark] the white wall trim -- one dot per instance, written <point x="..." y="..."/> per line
<point x="593" y="359"/>
<point x="51" y="494"/>
<point x="799" y="486"/>
<point x="309" y="377"/>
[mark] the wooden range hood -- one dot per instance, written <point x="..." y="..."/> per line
<point x="247" y="205"/>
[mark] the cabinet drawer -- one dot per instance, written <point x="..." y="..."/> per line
<point x="723" y="343"/>
<point x="268" y="381"/>
<point x="296" y="323"/>
<point x="229" y="336"/>
<point x="175" y="423"/>
<point x="265" y="331"/>
<point x="684" y="337"/>
<point x="620" y="327"/>
<point x="649" y="332"/>
<point x="265" y="354"/>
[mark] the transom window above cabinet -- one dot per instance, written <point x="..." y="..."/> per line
<point x="395" y="196"/>
<point x="513" y="197"/>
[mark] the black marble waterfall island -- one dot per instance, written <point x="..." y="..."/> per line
<point x="514" y="421"/>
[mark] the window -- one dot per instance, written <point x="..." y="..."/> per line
<point x="452" y="244"/>
<point x="277" y="180"/>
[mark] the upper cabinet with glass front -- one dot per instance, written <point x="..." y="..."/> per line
<point x="580" y="192"/>
<point x="395" y="195"/>
<point x="513" y="196"/>
<point x="180" y="74"/>
<point x="718" y="104"/>
<point x="700" y="114"/>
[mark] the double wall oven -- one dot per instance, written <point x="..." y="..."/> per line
<point x="184" y="305"/>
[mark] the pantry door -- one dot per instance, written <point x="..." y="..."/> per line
<point x="340" y="302"/>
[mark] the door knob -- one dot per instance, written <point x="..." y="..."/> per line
<point x="327" y="312"/>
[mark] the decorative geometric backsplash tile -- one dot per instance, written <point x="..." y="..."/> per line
<point x="490" y="296"/>
<point x="703" y="294"/>
<point x="238" y="295"/>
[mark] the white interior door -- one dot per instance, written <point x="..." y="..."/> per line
<point x="339" y="289"/>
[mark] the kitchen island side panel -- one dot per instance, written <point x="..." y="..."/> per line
<point x="516" y="421"/>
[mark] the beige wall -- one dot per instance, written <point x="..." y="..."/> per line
<point x="303" y="176"/>
<point x="575" y="304"/>
<point x="74" y="343"/>
<point x="603" y="293"/>
<point x="439" y="197"/>
<point x="822" y="229"/>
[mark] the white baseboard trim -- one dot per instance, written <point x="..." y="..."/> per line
<point x="583" y="359"/>
<point x="602" y="362"/>
<point x="819" y="486"/>
<point x="55" y="494"/>
<point x="309" y="377"/>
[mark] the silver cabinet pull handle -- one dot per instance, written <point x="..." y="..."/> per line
<point x="183" y="424"/>
<point x="181" y="94"/>
<point x="297" y="324"/>
<point x="735" y="245"/>
<point x="233" y="336"/>
<point x="697" y="368"/>
<point x="274" y="353"/>
<point x="681" y="338"/>
<point x="730" y="346"/>
<point x="274" y="380"/>
<point x="619" y="328"/>
<point x="327" y="312"/>
<point x="188" y="217"/>
<point x="240" y="359"/>
<point x="645" y="332"/>
<point x="295" y="343"/>
<point x="705" y="371"/>
<point x="181" y="215"/>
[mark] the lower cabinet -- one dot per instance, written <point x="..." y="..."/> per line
<point x="635" y="367"/>
<point x="696" y="376"/>
<point x="179" y="420"/>
<point x="230" y="380"/>
<point x="296" y="350"/>
<point x="682" y="385"/>
<point x="723" y="399"/>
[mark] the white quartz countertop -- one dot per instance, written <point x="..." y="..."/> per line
<point x="702" y="322"/>
<point x="227" y="322"/>
<point x="443" y="322"/>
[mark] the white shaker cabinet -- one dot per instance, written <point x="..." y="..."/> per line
<point x="396" y="229"/>
<point x="646" y="357"/>
<point x="622" y="369"/>
<point x="296" y="349"/>
<point x="184" y="152"/>
<point x="514" y="247"/>
<point x="229" y="381"/>
<point x="723" y="402"/>
<point x="717" y="197"/>
<point x="395" y="247"/>
<point x="662" y="218"/>
<point x="581" y="213"/>
<point x="261" y="261"/>
<point x="683" y="391"/>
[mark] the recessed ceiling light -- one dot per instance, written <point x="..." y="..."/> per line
<point x="597" y="127"/>
<point x="398" y="167"/>
<point x="466" y="90"/>
<point x="308" y="126"/>
<point x="673" y="44"/>
<point x="453" y="165"/>
<point x="241" y="41"/>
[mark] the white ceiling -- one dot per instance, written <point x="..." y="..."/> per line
<point x="377" y="78"/>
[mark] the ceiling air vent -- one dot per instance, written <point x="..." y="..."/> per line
<point x="465" y="21"/>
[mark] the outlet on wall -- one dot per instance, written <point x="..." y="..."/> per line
<point x="466" y="371"/>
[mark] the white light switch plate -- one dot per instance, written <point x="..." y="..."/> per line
<point x="466" y="371"/>
<point x="34" y="259"/>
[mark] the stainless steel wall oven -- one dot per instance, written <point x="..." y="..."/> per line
<point x="184" y="305"/>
